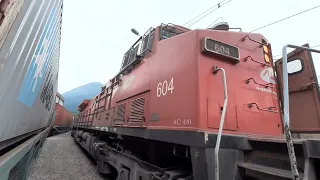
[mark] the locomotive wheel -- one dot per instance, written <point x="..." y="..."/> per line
<point x="124" y="175"/>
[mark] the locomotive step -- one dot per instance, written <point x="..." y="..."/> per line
<point x="268" y="170"/>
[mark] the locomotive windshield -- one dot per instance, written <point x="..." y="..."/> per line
<point x="170" y="30"/>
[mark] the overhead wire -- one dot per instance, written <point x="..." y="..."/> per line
<point x="196" y="19"/>
<point x="214" y="22"/>
<point x="285" y="18"/>
<point x="220" y="5"/>
<point x="315" y="46"/>
<point x="202" y="13"/>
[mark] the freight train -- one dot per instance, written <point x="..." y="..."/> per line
<point x="30" y="33"/>
<point x="63" y="119"/>
<point x="204" y="104"/>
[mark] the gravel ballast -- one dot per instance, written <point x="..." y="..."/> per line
<point x="61" y="158"/>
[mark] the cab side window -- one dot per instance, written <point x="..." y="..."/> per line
<point x="295" y="66"/>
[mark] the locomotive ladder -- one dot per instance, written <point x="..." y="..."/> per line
<point x="217" y="147"/>
<point x="286" y="122"/>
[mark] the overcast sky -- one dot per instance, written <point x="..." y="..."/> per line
<point x="96" y="33"/>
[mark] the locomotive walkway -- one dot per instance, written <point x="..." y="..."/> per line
<point x="61" y="158"/>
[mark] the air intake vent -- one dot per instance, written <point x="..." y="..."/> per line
<point x="120" y="114"/>
<point x="137" y="111"/>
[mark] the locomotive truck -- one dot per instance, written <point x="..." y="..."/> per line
<point x="204" y="104"/>
<point x="30" y="33"/>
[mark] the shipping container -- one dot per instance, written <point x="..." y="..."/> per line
<point x="30" y="33"/>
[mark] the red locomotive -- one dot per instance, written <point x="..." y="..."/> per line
<point x="63" y="119"/>
<point x="159" y="118"/>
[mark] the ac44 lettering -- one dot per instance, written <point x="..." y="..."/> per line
<point x="182" y="122"/>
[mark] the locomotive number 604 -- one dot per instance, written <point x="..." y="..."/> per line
<point x="164" y="87"/>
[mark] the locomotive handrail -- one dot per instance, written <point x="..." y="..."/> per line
<point x="247" y="36"/>
<point x="265" y="85"/>
<point x="269" y="109"/>
<point x="286" y="122"/>
<point x="217" y="147"/>
<point x="262" y="64"/>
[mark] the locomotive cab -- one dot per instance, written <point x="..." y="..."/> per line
<point x="303" y="91"/>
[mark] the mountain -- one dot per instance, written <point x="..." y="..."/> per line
<point x="74" y="97"/>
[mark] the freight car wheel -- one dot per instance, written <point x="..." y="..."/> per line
<point x="124" y="175"/>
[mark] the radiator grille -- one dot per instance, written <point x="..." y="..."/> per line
<point x="137" y="110"/>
